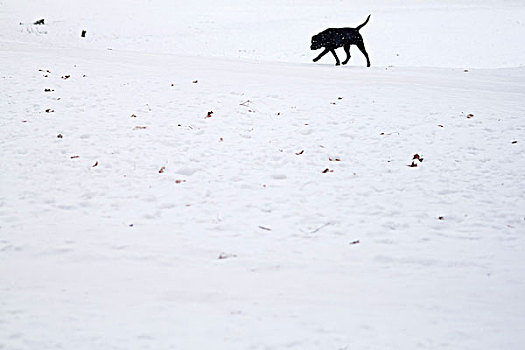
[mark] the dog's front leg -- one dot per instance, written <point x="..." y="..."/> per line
<point x="337" y="63"/>
<point x="347" y="50"/>
<point x="325" y="51"/>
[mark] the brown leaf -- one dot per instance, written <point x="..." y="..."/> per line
<point x="327" y="171"/>
<point x="74" y="157"/>
<point x="133" y="116"/>
<point x="179" y="181"/>
<point x="195" y="81"/>
<point x="299" y="153"/>
<point x="514" y="142"/>
<point x="49" y="110"/>
<point x="413" y="165"/>
<point x="139" y="127"/>
<point x="226" y="256"/>
<point x="66" y="77"/>
<point x="94" y="165"/>
<point x="418" y="157"/>
<point x="440" y="125"/>
<point x="470" y="115"/>
<point x="354" y="242"/>
<point x="209" y="114"/>
<point x="162" y="170"/>
<point x="334" y="159"/>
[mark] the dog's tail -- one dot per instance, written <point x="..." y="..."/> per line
<point x="362" y="25"/>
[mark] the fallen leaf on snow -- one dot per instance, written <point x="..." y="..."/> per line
<point x="265" y="228"/>
<point x="161" y="170"/>
<point x="209" y="114"/>
<point x="470" y="115"/>
<point x="327" y="171"/>
<point x="94" y="165"/>
<point x="226" y="256"/>
<point x="139" y="127"/>
<point x="65" y="77"/>
<point x="74" y="157"/>
<point x="60" y="136"/>
<point x="354" y="242"/>
<point x="299" y="153"/>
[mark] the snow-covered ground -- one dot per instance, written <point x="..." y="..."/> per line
<point x="287" y="219"/>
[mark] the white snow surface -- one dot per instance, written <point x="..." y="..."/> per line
<point x="288" y="219"/>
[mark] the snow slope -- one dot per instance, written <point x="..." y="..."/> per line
<point x="148" y="225"/>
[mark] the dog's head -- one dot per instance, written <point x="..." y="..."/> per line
<point x="317" y="42"/>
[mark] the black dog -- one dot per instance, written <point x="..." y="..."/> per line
<point x="333" y="38"/>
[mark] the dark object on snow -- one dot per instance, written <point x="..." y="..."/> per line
<point x="332" y="38"/>
<point x="39" y="22"/>
<point x="83" y="34"/>
<point x="418" y="157"/>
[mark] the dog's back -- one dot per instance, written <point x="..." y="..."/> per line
<point x="333" y="38"/>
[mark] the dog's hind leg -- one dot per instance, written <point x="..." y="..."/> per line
<point x="325" y="51"/>
<point x="347" y="50"/>
<point x="361" y="48"/>
<point x="337" y="63"/>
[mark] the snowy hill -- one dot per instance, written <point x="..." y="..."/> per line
<point x="317" y="207"/>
